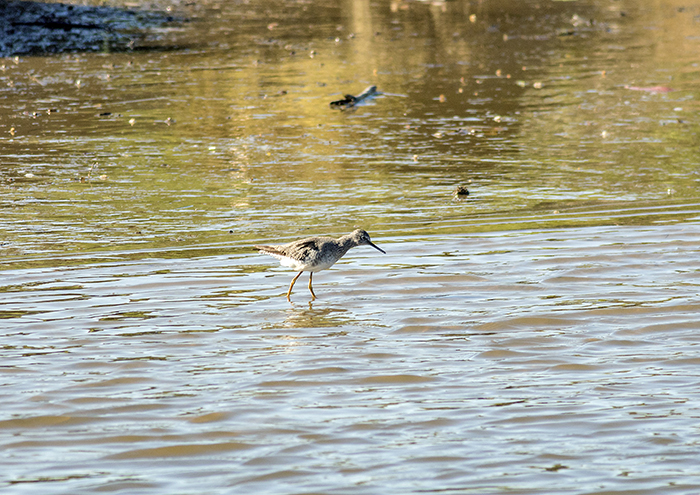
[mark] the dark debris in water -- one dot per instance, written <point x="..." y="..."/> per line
<point x="556" y="468"/>
<point x="461" y="192"/>
<point x="34" y="28"/>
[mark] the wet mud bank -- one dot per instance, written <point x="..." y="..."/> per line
<point x="35" y="28"/>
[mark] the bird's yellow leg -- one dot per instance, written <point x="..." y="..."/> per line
<point x="289" y="292"/>
<point x="311" y="275"/>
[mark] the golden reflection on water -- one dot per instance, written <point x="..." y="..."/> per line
<point x="252" y="147"/>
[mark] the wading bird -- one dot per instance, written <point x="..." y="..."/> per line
<point x="314" y="254"/>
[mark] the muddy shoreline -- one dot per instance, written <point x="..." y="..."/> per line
<point x="34" y="28"/>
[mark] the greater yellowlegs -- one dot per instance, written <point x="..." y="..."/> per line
<point x="314" y="254"/>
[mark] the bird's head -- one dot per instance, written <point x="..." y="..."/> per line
<point x="361" y="238"/>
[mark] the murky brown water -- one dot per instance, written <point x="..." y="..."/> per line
<point x="538" y="336"/>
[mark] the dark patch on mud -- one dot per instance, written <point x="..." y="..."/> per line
<point x="35" y="28"/>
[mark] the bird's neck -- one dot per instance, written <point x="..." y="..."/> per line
<point x="347" y="242"/>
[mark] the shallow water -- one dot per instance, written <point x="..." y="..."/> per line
<point x="495" y="362"/>
<point x="537" y="336"/>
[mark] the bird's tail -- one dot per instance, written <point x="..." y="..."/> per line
<point x="271" y="250"/>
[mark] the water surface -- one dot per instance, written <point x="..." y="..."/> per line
<point x="537" y="336"/>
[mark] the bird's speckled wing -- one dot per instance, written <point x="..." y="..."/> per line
<point x="299" y="255"/>
<point x="303" y="250"/>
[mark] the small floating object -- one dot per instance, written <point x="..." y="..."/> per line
<point x="350" y="101"/>
<point x="460" y="192"/>
<point x="651" y="89"/>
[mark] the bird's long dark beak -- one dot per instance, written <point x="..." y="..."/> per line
<point x="377" y="248"/>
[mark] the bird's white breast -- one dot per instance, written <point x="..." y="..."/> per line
<point x="323" y="265"/>
<point x="291" y="263"/>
